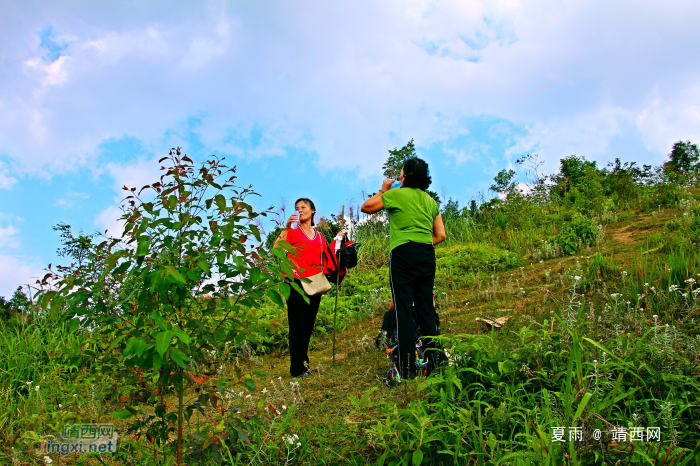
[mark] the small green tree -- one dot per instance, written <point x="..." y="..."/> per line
<point x="503" y="182"/>
<point x="684" y="156"/>
<point x="451" y="209"/>
<point x="79" y="248"/>
<point x="572" y="172"/>
<point x="397" y="158"/>
<point x="18" y="303"/>
<point x="166" y="300"/>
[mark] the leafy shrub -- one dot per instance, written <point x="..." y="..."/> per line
<point x="568" y="241"/>
<point x="164" y="301"/>
<point x="582" y="232"/>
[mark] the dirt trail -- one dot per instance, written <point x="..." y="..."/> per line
<point x="623" y="235"/>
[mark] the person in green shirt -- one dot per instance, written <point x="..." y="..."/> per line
<point x="415" y="227"/>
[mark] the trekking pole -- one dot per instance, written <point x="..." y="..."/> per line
<point x="337" y="281"/>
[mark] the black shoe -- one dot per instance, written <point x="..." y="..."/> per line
<point x="303" y="374"/>
<point x="391" y="383"/>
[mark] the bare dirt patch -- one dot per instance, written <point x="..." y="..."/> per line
<point x="623" y="235"/>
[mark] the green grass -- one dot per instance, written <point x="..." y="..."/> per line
<point x="603" y="333"/>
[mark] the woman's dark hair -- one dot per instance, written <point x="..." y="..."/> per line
<point x="416" y="174"/>
<point x="311" y="205"/>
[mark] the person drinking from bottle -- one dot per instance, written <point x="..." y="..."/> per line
<point x="309" y="245"/>
<point x="415" y="227"/>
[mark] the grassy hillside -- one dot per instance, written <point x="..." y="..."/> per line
<point x="597" y="271"/>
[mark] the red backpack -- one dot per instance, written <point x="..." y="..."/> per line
<point x="348" y="260"/>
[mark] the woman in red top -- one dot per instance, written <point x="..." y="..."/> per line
<point x="310" y="246"/>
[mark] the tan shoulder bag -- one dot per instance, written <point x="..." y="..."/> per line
<point x="317" y="284"/>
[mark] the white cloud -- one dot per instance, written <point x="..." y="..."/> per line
<point x="63" y="203"/>
<point x="108" y="219"/>
<point x="346" y="81"/>
<point x="9" y="238"/>
<point x="6" y="181"/>
<point x="18" y="270"/>
<point x="47" y="74"/>
<point x="134" y="175"/>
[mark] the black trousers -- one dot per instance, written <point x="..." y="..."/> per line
<point x="412" y="276"/>
<point x="302" y="317"/>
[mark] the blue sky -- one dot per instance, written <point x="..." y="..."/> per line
<point x="306" y="98"/>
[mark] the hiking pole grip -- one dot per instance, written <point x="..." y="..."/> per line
<point x="337" y="282"/>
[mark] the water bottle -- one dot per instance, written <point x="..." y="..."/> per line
<point x="295" y="223"/>
<point x="396" y="184"/>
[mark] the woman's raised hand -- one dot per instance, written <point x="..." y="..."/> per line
<point x="386" y="186"/>
<point x="292" y="218"/>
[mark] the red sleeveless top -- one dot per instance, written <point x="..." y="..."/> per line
<point x="309" y="252"/>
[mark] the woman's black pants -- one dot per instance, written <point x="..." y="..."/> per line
<point x="301" y="317"/>
<point x="412" y="276"/>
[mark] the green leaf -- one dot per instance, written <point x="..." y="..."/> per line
<point x="203" y="265"/>
<point x="285" y="290"/>
<point x="287" y="246"/>
<point x="582" y="404"/>
<point x="296" y="287"/>
<point x="157" y="361"/>
<point x="220" y="201"/>
<point x="255" y="274"/>
<point x="129" y="346"/>
<point x="163" y="341"/>
<point x="249" y="384"/>
<point x="73" y="324"/>
<point x="183" y="337"/>
<point x="139" y="347"/>
<point x="220" y="257"/>
<point x="287" y="268"/>
<point x="256" y="232"/>
<point x="115" y="342"/>
<point x="279" y="252"/>
<point x="275" y="297"/>
<point x="159" y="320"/>
<point x="123" y="413"/>
<point x="179" y="357"/>
<point x="142" y="248"/>
<point x="175" y="274"/>
<point x="123" y="267"/>
<point x="417" y="457"/>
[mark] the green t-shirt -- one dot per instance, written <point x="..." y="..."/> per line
<point x="411" y="215"/>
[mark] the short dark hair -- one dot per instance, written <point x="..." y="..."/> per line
<point x="311" y="205"/>
<point x="416" y="173"/>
